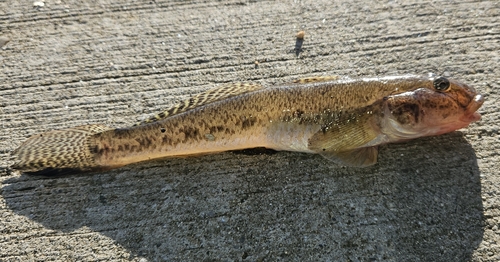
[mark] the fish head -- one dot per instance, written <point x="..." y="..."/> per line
<point x="434" y="106"/>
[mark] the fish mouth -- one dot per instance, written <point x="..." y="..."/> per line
<point x="470" y="112"/>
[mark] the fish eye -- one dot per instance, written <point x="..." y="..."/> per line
<point x="441" y="84"/>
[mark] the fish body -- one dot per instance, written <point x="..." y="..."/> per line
<point x="344" y="120"/>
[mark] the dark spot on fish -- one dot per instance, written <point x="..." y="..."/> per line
<point x="120" y="148"/>
<point x="430" y="104"/>
<point x="215" y="129"/>
<point x="100" y="151"/>
<point x="190" y="133"/>
<point x="127" y="146"/>
<point x="298" y="113"/>
<point x="143" y="142"/>
<point x="166" y="140"/>
<point x="317" y="118"/>
<point x="248" y="122"/>
<point x="121" y="133"/>
<point x="147" y="142"/>
<point x="94" y="149"/>
<point x="407" y="113"/>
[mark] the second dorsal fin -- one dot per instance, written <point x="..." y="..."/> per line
<point x="210" y="96"/>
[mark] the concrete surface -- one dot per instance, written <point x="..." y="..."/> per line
<point x="79" y="62"/>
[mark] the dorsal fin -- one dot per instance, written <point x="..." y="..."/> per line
<point x="210" y="96"/>
<point x="314" y="79"/>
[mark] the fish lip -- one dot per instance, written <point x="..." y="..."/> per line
<point x="470" y="112"/>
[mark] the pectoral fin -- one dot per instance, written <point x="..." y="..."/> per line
<point x="344" y="142"/>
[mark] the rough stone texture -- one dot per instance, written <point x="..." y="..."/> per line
<point x="80" y="62"/>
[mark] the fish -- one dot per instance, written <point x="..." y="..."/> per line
<point x="344" y="120"/>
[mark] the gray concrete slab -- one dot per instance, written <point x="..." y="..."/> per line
<point x="79" y="62"/>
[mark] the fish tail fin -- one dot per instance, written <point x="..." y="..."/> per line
<point x="59" y="152"/>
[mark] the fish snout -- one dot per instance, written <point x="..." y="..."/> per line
<point x="470" y="112"/>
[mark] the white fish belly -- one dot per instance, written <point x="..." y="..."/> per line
<point x="291" y="136"/>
